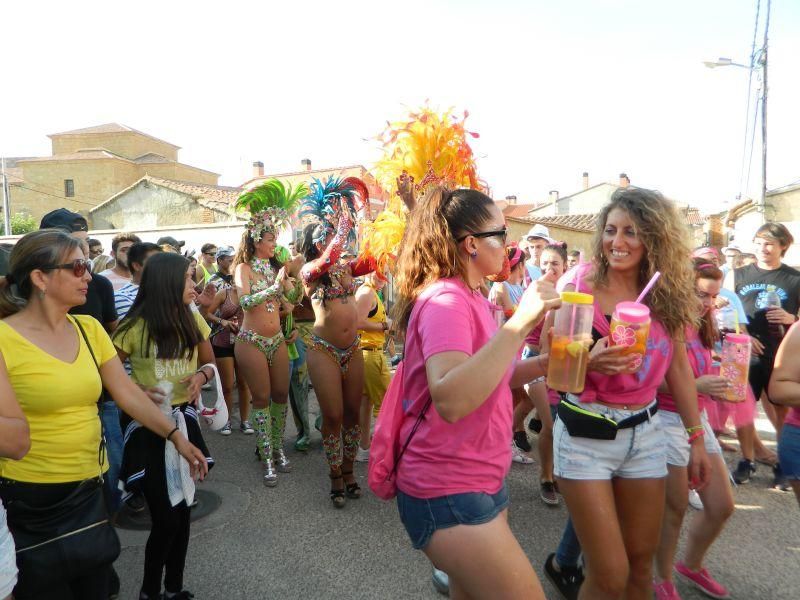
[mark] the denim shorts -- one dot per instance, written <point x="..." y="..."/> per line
<point x="636" y="453"/>
<point x="678" y="440"/>
<point x="8" y="560"/>
<point x="528" y="353"/>
<point x="789" y="451"/>
<point x="423" y="516"/>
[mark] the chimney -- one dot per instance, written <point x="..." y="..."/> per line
<point x="258" y="169"/>
<point x="624" y="181"/>
<point x="553" y="195"/>
<point x="511" y="199"/>
<point x="305" y="164"/>
<point x="586" y="180"/>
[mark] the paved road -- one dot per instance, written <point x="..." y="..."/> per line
<point x="288" y="542"/>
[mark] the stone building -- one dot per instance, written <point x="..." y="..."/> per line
<point x="89" y="166"/>
<point x="156" y="202"/>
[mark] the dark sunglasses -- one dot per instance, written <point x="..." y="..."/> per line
<point x="77" y="266"/>
<point x="503" y="233"/>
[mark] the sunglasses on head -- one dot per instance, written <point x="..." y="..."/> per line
<point x="503" y="233"/>
<point x="77" y="266"/>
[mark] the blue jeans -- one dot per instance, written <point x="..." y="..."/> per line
<point x="423" y="516"/>
<point x="569" y="548"/>
<point x="113" y="434"/>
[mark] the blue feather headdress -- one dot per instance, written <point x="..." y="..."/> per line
<point x="325" y="202"/>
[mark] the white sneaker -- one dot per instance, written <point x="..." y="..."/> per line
<point x="695" y="501"/>
<point x="226" y="429"/>
<point x="518" y="456"/>
<point x="362" y="455"/>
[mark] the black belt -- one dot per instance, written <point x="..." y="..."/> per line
<point x="638" y="418"/>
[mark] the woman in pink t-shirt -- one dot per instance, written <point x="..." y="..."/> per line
<point x="717" y="496"/>
<point x="784" y="389"/>
<point x="452" y="497"/>
<point x="614" y="488"/>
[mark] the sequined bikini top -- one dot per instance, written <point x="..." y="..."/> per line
<point x="336" y="290"/>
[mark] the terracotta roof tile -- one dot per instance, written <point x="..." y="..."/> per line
<point x="150" y="158"/>
<point x="586" y="222"/>
<point x="87" y="154"/>
<point x="517" y="210"/>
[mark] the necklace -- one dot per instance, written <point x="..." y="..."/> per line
<point x="263" y="267"/>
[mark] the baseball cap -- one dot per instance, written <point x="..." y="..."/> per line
<point x="224" y="251"/>
<point x="539" y="231"/>
<point x="703" y="250"/>
<point x="64" y="219"/>
<point x="170" y="241"/>
<point x="733" y="247"/>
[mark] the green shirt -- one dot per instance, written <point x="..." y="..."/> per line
<point x="149" y="370"/>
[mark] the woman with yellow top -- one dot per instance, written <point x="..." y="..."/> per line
<point x="57" y="365"/>
<point x="373" y="325"/>
<point x="164" y="340"/>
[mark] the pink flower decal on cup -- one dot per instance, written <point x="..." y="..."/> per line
<point x="730" y="372"/>
<point x="623" y="336"/>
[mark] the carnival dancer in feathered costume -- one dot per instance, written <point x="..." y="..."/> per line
<point x="335" y="364"/>
<point x="261" y="286"/>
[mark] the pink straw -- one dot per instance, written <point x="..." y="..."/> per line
<point x="649" y="286"/>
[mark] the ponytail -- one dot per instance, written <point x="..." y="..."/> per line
<point x="429" y="250"/>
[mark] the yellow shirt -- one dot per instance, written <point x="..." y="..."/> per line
<point x="374" y="340"/>
<point x="149" y="370"/>
<point x="59" y="400"/>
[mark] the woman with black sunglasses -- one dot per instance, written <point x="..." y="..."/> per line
<point x="43" y="349"/>
<point x="458" y="372"/>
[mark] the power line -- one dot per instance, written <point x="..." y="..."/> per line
<point x="747" y="111"/>
<point x="55" y="196"/>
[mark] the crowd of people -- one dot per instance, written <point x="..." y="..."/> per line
<point x="140" y="332"/>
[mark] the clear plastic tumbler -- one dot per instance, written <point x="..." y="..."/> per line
<point x="572" y="338"/>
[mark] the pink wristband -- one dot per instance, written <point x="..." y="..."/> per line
<point x="695" y="435"/>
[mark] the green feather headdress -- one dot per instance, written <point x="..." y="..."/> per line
<point x="270" y="205"/>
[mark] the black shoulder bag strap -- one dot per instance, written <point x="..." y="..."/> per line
<point x="102" y="450"/>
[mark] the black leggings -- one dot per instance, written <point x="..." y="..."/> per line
<point x="93" y="586"/>
<point x="169" y="536"/>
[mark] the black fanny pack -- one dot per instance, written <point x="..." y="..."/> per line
<point x="587" y="424"/>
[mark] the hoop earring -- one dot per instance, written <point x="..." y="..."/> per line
<point x="42" y="294"/>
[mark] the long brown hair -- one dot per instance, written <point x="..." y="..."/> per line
<point x="665" y="237"/>
<point x="707" y="327"/>
<point x="429" y="251"/>
<point x="37" y="250"/>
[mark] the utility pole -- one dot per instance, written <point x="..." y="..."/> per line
<point x="6" y="200"/>
<point x="764" y="61"/>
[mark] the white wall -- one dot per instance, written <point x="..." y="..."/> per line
<point x="229" y="234"/>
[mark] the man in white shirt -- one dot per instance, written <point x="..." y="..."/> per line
<point x="120" y="275"/>
<point x="137" y="255"/>
<point x="535" y="240"/>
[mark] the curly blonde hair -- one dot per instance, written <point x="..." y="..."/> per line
<point x="663" y="232"/>
<point x="429" y="251"/>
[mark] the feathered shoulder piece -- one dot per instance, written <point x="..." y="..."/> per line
<point x="270" y="205"/>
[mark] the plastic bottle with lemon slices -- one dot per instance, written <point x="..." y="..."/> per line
<point x="572" y="338"/>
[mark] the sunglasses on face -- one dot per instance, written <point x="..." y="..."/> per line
<point x="77" y="266"/>
<point x="502" y="233"/>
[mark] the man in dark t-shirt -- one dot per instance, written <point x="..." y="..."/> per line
<point x="759" y="286"/>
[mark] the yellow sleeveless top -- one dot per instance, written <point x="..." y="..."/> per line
<point x="372" y="340"/>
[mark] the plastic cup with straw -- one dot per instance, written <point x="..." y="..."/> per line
<point x="630" y="323"/>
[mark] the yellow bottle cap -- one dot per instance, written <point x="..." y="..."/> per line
<point x="577" y="298"/>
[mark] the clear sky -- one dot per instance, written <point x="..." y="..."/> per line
<point x="554" y="88"/>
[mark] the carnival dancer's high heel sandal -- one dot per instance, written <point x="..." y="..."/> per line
<point x="353" y="490"/>
<point x="337" y="496"/>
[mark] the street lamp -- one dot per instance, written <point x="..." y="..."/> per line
<point x="758" y="61"/>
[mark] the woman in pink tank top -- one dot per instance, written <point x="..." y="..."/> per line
<point x="458" y="372"/>
<point x="717" y="496"/>
<point x="784" y="389"/>
<point x="613" y="481"/>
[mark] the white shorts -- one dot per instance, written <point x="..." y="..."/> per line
<point x="8" y="558"/>
<point x="678" y="440"/>
<point x="636" y="453"/>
